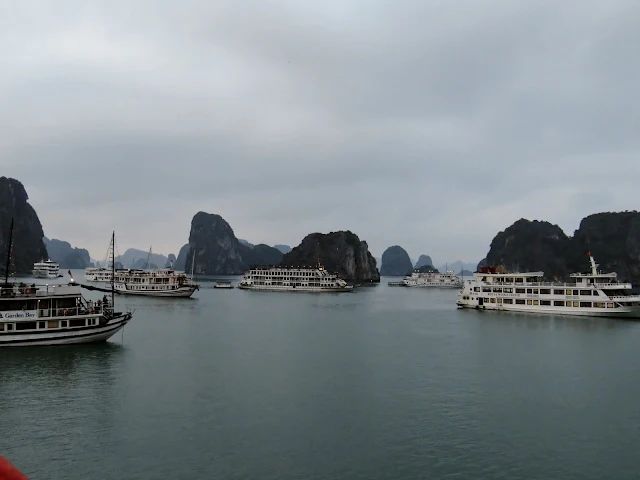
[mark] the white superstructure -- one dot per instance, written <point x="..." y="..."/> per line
<point x="98" y="274"/>
<point x="293" y="279"/>
<point x="46" y="269"/>
<point x="432" y="279"/>
<point x="591" y="294"/>
<point x="160" y="282"/>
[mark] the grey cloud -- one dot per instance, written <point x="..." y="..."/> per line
<point x="429" y="124"/>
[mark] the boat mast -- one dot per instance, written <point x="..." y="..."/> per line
<point x="113" y="268"/>
<point x="9" y="248"/>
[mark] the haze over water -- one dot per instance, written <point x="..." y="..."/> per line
<point x="382" y="383"/>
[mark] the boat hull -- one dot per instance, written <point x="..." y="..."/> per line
<point x="620" y="312"/>
<point x="430" y="285"/>
<point x="93" y="334"/>
<point x="182" y="292"/>
<point x="41" y="274"/>
<point x="267" y="288"/>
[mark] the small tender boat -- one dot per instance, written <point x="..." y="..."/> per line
<point x="222" y="285"/>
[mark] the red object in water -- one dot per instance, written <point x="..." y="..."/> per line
<point x="9" y="472"/>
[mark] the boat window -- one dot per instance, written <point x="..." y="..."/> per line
<point x="569" y="292"/>
<point x="558" y="292"/>
<point x="498" y="290"/>
<point x="535" y="291"/>
<point x="558" y="303"/>
<point x="52" y="324"/>
<point x="9" y="327"/>
<point x="585" y="304"/>
<point x="609" y="305"/>
<point x="546" y="303"/>
<point x="576" y="304"/>
<point x="529" y="290"/>
<point x="545" y="291"/>
<point x="493" y="299"/>
<point x="535" y="302"/>
<point x="520" y="290"/>
<point x="529" y="302"/>
<point x="26" y="326"/>
<point x="499" y="300"/>
<point x="476" y="289"/>
<point x="598" y="305"/>
<point x="585" y="292"/>
<point x="42" y="324"/>
<point x="508" y="301"/>
<point x="519" y="302"/>
<point x="77" y="322"/>
<point x="519" y="280"/>
<point x="508" y="290"/>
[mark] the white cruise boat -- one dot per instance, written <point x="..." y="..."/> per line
<point x="34" y="315"/>
<point x="98" y="274"/>
<point x="594" y="294"/>
<point x="432" y="279"/>
<point x="55" y="315"/>
<point x="46" y="269"/>
<point x="292" y="279"/>
<point x="160" y="282"/>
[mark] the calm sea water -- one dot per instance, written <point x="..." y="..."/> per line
<point x="382" y="383"/>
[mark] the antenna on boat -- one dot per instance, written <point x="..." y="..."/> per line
<point x="9" y="248"/>
<point x="594" y="265"/>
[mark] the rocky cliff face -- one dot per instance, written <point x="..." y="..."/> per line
<point x="262" y="254"/>
<point x="612" y="238"/>
<point x="67" y="256"/>
<point x="531" y="246"/>
<point x="28" y="245"/>
<point x="339" y="252"/>
<point x="133" y="258"/>
<point x="614" y="242"/>
<point x="283" y="248"/>
<point x="218" y="251"/>
<point x="423" y="261"/>
<point x="181" y="261"/>
<point x="395" y="262"/>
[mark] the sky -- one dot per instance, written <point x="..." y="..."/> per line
<point x="430" y="124"/>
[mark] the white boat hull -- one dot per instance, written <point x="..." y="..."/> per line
<point x="93" y="334"/>
<point x="431" y="285"/>
<point x="619" y="312"/>
<point x="44" y="274"/>
<point x="182" y="292"/>
<point x="286" y="288"/>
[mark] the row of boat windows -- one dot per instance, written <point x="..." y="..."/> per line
<point x="152" y="287"/>
<point x="548" y="303"/>
<point x="310" y="284"/>
<point x="48" y="324"/>
<point x="537" y="280"/>
<point x="161" y="281"/>
<point x="291" y="279"/>
<point x="261" y="273"/>
<point x="537" y="291"/>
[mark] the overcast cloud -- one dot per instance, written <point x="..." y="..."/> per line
<point x="429" y="124"/>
